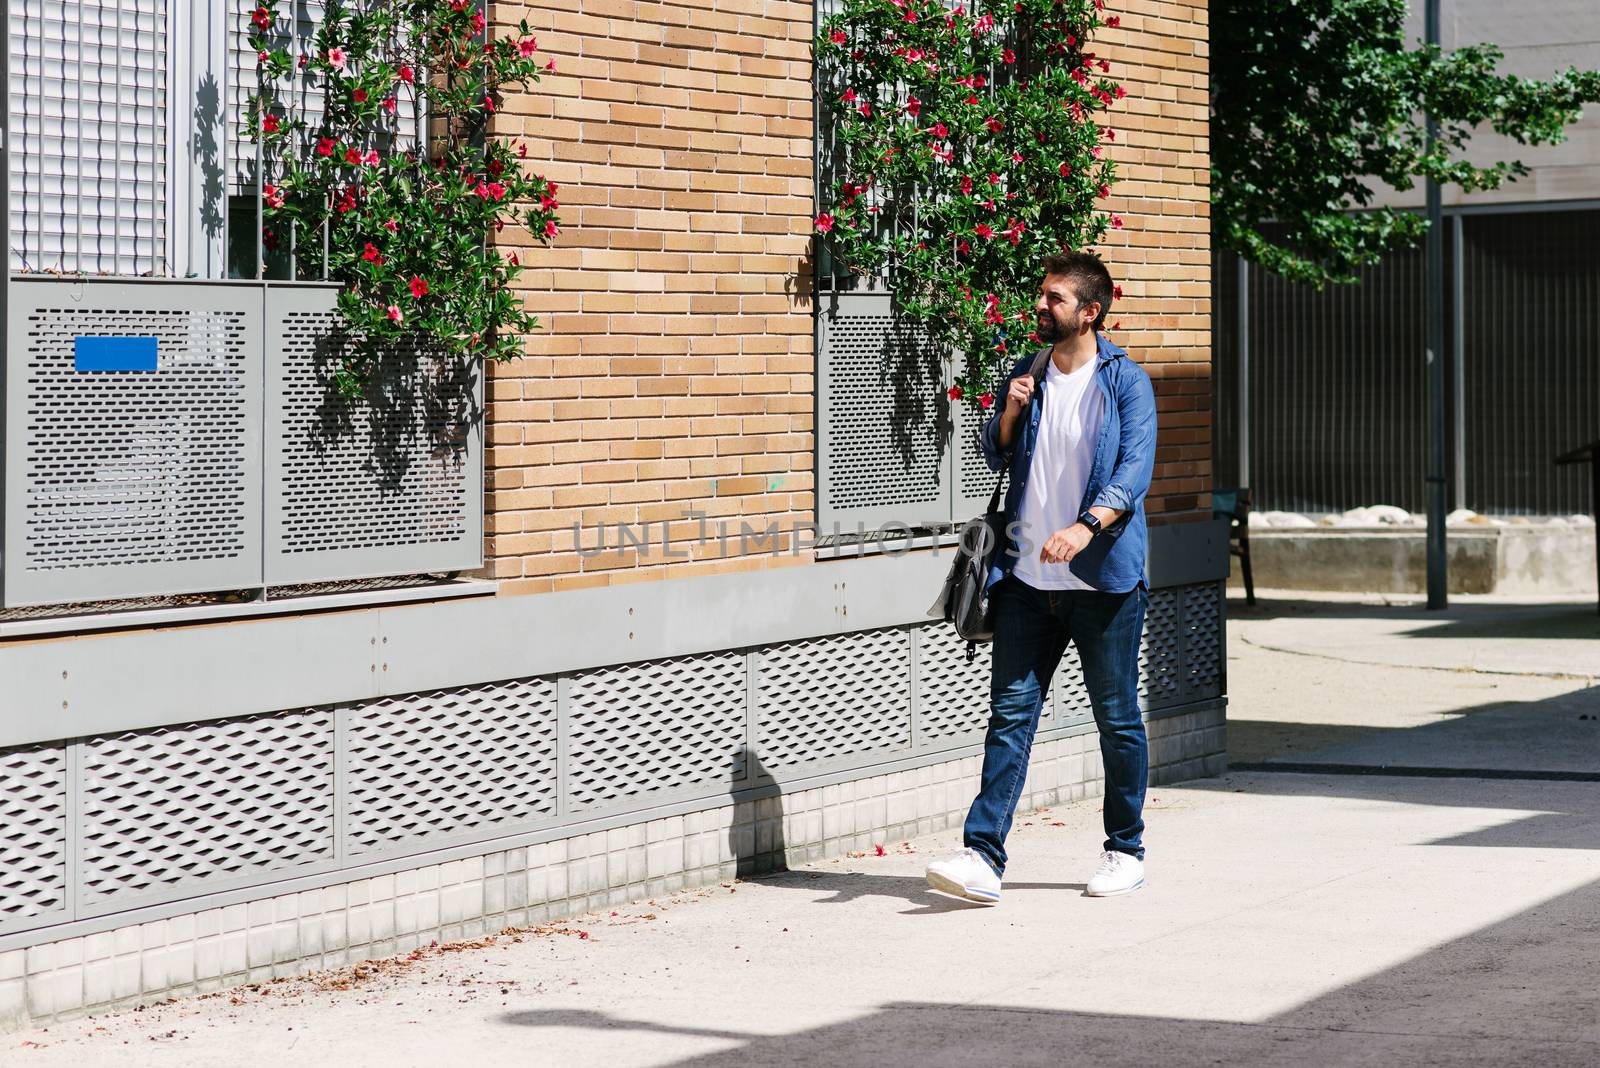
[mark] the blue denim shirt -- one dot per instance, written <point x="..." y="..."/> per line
<point x="1124" y="460"/>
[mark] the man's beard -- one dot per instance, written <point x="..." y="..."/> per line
<point x="1049" y="329"/>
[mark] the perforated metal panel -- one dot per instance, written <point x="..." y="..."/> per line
<point x="881" y="421"/>
<point x="450" y="762"/>
<point x="1202" y="639"/>
<point x="1161" y="671"/>
<point x="1071" y="704"/>
<point x="644" y="729"/>
<point x="33" y="832"/>
<point x="834" y="698"/>
<point x="974" y="482"/>
<point x="132" y="483"/>
<point x="952" y="695"/>
<point x="191" y="806"/>
<point x="88" y="136"/>
<point x="387" y="484"/>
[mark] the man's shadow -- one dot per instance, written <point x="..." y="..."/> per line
<point x="756" y="838"/>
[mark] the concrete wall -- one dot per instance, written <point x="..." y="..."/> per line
<point x="1533" y="561"/>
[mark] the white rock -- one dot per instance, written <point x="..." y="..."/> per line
<point x="1460" y="517"/>
<point x="1389" y="515"/>
<point x="1582" y="520"/>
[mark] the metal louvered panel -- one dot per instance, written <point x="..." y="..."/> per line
<point x="1071" y="695"/>
<point x="33" y="832"/>
<point x="646" y="729"/>
<point x="132" y="483"/>
<point x="193" y="805"/>
<point x="882" y="421"/>
<point x="974" y="482"/>
<point x="1203" y="640"/>
<point x="450" y="762"/>
<point x="831" y="699"/>
<point x="88" y="164"/>
<point x="391" y="484"/>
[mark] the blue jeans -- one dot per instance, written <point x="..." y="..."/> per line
<point x="1031" y="631"/>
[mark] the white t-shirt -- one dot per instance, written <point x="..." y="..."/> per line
<point x="1069" y="428"/>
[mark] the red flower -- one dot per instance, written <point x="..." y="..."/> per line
<point x="1114" y="21"/>
<point x="269" y="124"/>
<point x="550" y="66"/>
<point x="955" y="393"/>
<point x="1121" y="92"/>
<point x="837" y="37"/>
<point x="913" y="107"/>
<point x="983" y="230"/>
<point x="849" y="96"/>
<point x="527" y="47"/>
<point x="1008" y="55"/>
<point x="515" y="261"/>
<point x="1066" y="170"/>
<point x="262" y="56"/>
<point x="388" y="105"/>
<point x="1116" y="292"/>
<point x="994" y="124"/>
<point x="272" y="195"/>
<point x="371" y="253"/>
<point x="865" y="109"/>
<point x="407" y="75"/>
<point x="336" y="58"/>
<point x="394" y="314"/>
<point x="488" y="103"/>
<point x="940" y="131"/>
<point x="392" y="226"/>
<point x="987" y="400"/>
<point x="419" y="288"/>
<point x="1105" y="191"/>
<point x="551" y="229"/>
<point x="352" y="155"/>
<point x="966" y="183"/>
<point x="359" y="96"/>
<point x="261" y="17"/>
<point x="1116" y="222"/>
<point x="1016" y="157"/>
<point x="824" y="222"/>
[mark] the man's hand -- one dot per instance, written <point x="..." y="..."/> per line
<point x="1065" y="544"/>
<point x="1018" y="394"/>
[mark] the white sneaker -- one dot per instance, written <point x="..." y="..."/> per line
<point x="965" y="874"/>
<point x="1119" y="873"/>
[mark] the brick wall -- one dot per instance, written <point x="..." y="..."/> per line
<point x="675" y="373"/>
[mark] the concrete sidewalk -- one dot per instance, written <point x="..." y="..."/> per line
<point x="1291" y="919"/>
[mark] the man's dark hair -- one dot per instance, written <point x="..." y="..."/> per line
<point x="1088" y="278"/>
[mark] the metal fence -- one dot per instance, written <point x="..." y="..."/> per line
<point x="115" y="821"/>
<point x="210" y="450"/>
<point x="1336" y="415"/>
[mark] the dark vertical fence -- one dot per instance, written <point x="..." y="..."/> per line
<point x="1532" y="329"/>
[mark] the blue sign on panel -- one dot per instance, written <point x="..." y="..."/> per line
<point x="114" y="353"/>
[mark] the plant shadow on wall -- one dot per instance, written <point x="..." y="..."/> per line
<point x="420" y="403"/>
<point x="208" y="151"/>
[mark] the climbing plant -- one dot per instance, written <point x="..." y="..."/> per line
<point x="967" y="143"/>
<point x="401" y="216"/>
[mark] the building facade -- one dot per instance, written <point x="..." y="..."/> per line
<point x="370" y="706"/>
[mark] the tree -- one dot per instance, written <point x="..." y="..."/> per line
<point x="1315" y="102"/>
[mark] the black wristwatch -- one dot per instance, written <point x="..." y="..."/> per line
<point x="1090" y="520"/>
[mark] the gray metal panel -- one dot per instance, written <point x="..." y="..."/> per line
<point x="33" y="835"/>
<point x="881" y="433"/>
<point x="655" y="729"/>
<point x="391" y="483"/>
<point x="130" y="484"/>
<point x="476" y="759"/>
<point x="1162" y="675"/>
<point x="176" y="809"/>
<point x="1182" y="554"/>
<point x="952" y="695"/>
<point x="972" y="480"/>
<point x="67" y="688"/>
<point x="826" y="700"/>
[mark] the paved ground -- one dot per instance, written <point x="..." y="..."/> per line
<point x="1292" y="918"/>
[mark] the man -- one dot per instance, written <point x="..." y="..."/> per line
<point x="1077" y="435"/>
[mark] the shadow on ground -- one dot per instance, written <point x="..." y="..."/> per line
<point x="1519" y="992"/>
<point x="1463" y="619"/>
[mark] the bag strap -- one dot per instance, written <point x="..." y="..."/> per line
<point x="1037" y="370"/>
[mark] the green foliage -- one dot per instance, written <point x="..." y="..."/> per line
<point x="967" y="147"/>
<point x="407" y="232"/>
<point x="1316" y="102"/>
